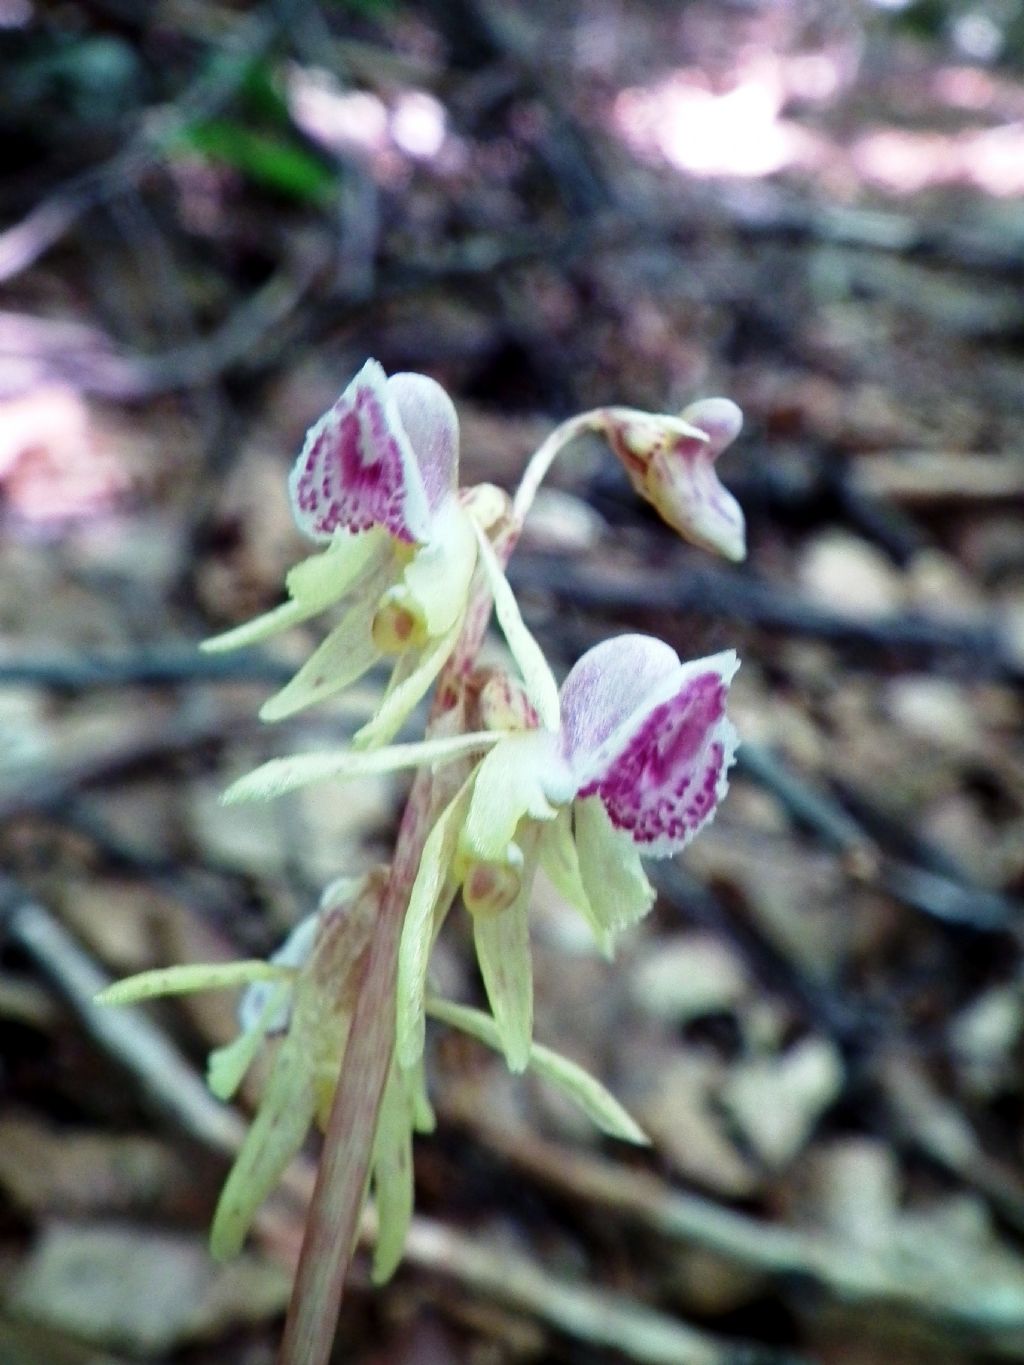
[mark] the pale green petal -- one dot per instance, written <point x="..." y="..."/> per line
<point x="275" y="1135"/>
<point x="420" y="927"/>
<point x="343" y="657"/>
<point x="560" y="860"/>
<point x="588" y="1092"/>
<point x="305" y="1065"/>
<point x="537" y="676"/>
<point x="226" y="1066"/>
<point x="438" y="575"/>
<point x="207" y="976"/>
<point x="601" y="1107"/>
<point x="313" y="585"/>
<point x="502" y="943"/>
<point x="392" y="1178"/>
<point x="415" y="672"/>
<point x="610" y="868"/>
<point x="424" y="1120"/>
<point x="285" y="616"/>
<point x="513" y="781"/>
<point x="326" y="577"/>
<point x="282" y="775"/>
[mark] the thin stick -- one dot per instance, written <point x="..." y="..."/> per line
<point x="169" y="1083"/>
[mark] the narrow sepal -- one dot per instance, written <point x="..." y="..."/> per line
<point x="610" y="868"/>
<point x="185" y="980"/>
<point x="560" y="860"/>
<point x="342" y="658"/>
<point x="392" y="1177"/>
<point x="412" y="679"/>
<point x="226" y="1066"/>
<point x="420" y="927"/>
<point x="502" y="943"/>
<point x="314" y="585"/>
<point x="537" y="676"/>
<point x="282" y="775"/>
<point x="599" y="1106"/>
<point x="275" y="1135"/>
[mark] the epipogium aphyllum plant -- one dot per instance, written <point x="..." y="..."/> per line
<point x="627" y="759"/>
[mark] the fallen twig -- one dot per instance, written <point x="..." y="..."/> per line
<point x="855" y="1274"/>
<point x="142" y="667"/>
<point x="46" y="787"/>
<point x="724" y="595"/>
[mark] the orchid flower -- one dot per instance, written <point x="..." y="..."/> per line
<point x="376" y="482"/>
<point x="630" y="758"/>
<point x="671" y="463"/>
<point x="635" y="764"/>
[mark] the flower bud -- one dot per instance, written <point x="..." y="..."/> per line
<point x="398" y="624"/>
<point x="490" y="887"/>
<point x="504" y="705"/>
<point x="670" y="462"/>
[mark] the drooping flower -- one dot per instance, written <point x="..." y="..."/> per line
<point x="671" y="462"/>
<point x="376" y="482"/>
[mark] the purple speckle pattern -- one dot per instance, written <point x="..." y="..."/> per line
<point x="352" y="474"/>
<point x="668" y="778"/>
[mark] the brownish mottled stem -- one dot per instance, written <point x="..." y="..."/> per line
<point x="344" y="1170"/>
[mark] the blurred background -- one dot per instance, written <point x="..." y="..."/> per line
<point x="212" y="213"/>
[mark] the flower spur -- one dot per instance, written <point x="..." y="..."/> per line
<point x="376" y="481"/>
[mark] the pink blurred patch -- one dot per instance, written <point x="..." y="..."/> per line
<point x="54" y="466"/>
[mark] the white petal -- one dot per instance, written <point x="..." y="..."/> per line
<point x="608" y="686"/>
<point x="294" y="952"/>
<point x="432" y="426"/>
